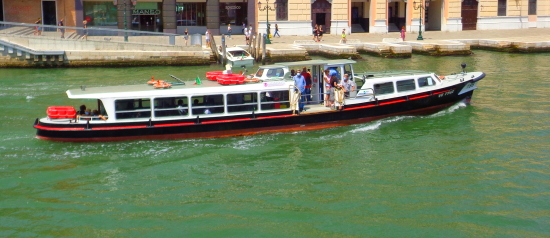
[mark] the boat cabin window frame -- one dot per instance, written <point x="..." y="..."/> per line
<point x="426" y="81"/>
<point x="405" y="85"/>
<point x="208" y="104"/>
<point x="383" y="88"/>
<point x="274" y="100"/>
<point x="169" y="107"/>
<point x="123" y="110"/>
<point x="275" y="73"/>
<point x="242" y="102"/>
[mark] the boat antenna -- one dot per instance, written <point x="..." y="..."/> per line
<point x="177" y="78"/>
<point x="463" y="65"/>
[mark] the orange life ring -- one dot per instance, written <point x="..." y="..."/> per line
<point x="251" y="80"/>
<point x="153" y="81"/>
<point x="441" y="77"/>
<point x="162" y="85"/>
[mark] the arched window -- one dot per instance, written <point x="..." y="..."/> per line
<point x="282" y="10"/>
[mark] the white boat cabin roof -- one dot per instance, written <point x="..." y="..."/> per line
<point x="205" y="88"/>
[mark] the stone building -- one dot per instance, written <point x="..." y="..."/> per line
<point x="293" y="17"/>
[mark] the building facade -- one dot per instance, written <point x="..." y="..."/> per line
<point x="293" y="17"/>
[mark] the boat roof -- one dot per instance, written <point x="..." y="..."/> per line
<point x="394" y="73"/>
<point x="317" y="62"/>
<point x="206" y="87"/>
<point x="234" y="49"/>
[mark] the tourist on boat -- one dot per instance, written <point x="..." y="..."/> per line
<point x="181" y="108"/>
<point x="348" y="85"/>
<point x="307" y="77"/>
<point x="337" y="92"/>
<point x="300" y="83"/>
<point x="326" y="78"/>
<point x="95" y="113"/>
<point x="82" y="110"/>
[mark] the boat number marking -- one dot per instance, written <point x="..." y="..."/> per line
<point x="447" y="93"/>
<point x="274" y="84"/>
<point x="469" y="85"/>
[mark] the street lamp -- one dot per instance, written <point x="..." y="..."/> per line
<point x="422" y="8"/>
<point x="267" y="8"/>
<point x="125" y="5"/>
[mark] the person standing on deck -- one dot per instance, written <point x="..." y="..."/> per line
<point x="300" y="83"/>
<point x="307" y="77"/>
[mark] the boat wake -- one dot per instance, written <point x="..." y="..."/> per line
<point x="377" y="124"/>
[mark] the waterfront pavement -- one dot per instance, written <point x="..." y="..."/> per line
<point x="149" y="50"/>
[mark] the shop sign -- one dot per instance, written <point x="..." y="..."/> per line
<point x="232" y="7"/>
<point x="146" y="12"/>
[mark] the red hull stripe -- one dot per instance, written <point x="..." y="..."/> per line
<point x="417" y="97"/>
<point x="440" y="92"/>
<point x="59" y="129"/>
<point x="391" y="102"/>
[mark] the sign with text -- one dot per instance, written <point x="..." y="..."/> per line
<point x="146" y="12"/>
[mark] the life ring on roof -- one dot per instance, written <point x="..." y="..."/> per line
<point x="441" y="77"/>
<point x="162" y="85"/>
<point x="251" y="80"/>
<point x="152" y="81"/>
<point x="212" y="75"/>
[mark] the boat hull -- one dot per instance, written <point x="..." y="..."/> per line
<point x="421" y="103"/>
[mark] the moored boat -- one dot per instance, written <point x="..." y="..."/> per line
<point x="211" y="110"/>
<point x="238" y="57"/>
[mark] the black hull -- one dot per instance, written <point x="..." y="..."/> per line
<point x="423" y="103"/>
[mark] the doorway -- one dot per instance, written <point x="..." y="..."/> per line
<point x="469" y="14"/>
<point x="320" y="14"/>
<point x="1" y="10"/>
<point x="146" y="23"/>
<point x="49" y="15"/>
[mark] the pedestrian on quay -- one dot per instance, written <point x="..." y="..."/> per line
<point x="276" y="31"/>
<point x="244" y="28"/>
<point x="403" y="33"/>
<point x="85" y="26"/>
<point x="62" y="30"/>
<point x="344" y="36"/>
<point x="186" y="35"/>
<point x="247" y="36"/>
<point x="229" y="30"/>
<point x="207" y="37"/>
<point x="38" y="29"/>
<point x="320" y="37"/>
<point x="316" y="33"/>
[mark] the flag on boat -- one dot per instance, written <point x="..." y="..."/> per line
<point x="198" y="81"/>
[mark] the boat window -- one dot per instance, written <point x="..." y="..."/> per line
<point x="133" y="108"/>
<point x="274" y="100"/>
<point x="425" y="81"/>
<point x="405" y="85"/>
<point x="384" y="88"/>
<point x="347" y="70"/>
<point x="242" y="102"/>
<point x="275" y="73"/>
<point x="260" y="73"/>
<point x="211" y="104"/>
<point x="172" y="106"/>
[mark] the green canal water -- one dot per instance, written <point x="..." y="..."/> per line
<point x="479" y="170"/>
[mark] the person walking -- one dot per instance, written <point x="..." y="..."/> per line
<point x="276" y="31"/>
<point x="186" y="35"/>
<point x="244" y="28"/>
<point x="62" y="30"/>
<point x="85" y="26"/>
<point x="316" y="33"/>
<point x="320" y="37"/>
<point x="229" y="30"/>
<point x="207" y="37"/>
<point x="38" y="29"/>
<point x="344" y="36"/>
<point x="403" y="33"/>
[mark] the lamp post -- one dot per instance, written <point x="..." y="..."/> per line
<point x="422" y="8"/>
<point x="125" y="5"/>
<point x="267" y="8"/>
